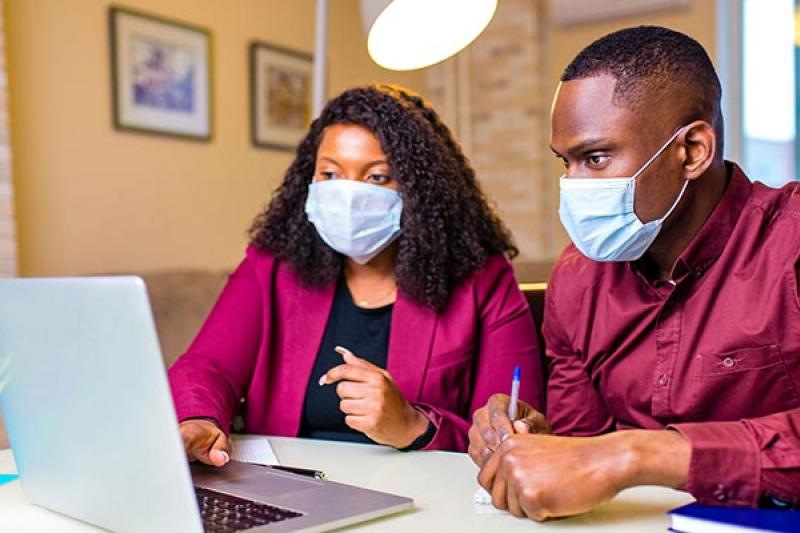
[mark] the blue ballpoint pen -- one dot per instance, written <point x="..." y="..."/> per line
<point x="512" y="404"/>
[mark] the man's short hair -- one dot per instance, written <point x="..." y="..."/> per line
<point x="648" y="62"/>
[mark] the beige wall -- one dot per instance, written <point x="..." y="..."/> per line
<point x="698" y="21"/>
<point x="91" y="199"/>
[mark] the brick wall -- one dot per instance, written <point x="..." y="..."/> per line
<point x="494" y="96"/>
<point x="8" y="248"/>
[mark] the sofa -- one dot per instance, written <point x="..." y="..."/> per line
<point x="182" y="299"/>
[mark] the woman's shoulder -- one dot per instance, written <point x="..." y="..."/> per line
<point x="495" y="267"/>
<point x="271" y="270"/>
<point x="259" y="256"/>
<point x="495" y="273"/>
<point x="258" y="263"/>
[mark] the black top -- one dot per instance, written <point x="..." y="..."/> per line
<point x="365" y="332"/>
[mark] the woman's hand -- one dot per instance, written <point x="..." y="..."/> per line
<point x="205" y="442"/>
<point x="372" y="404"/>
<point x="491" y="426"/>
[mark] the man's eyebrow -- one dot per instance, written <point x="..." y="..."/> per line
<point x="584" y="146"/>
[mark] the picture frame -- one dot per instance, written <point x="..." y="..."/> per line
<point x="161" y="75"/>
<point x="280" y="96"/>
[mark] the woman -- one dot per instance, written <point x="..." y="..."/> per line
<point x="375" y="302"/>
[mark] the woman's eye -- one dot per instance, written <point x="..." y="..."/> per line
<point x="379" y="179"/>
<point x="328" y="175"/>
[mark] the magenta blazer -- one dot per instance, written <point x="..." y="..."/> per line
<point x="261" y="339"/>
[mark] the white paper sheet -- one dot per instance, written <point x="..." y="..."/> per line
<point x="253" y="449"/>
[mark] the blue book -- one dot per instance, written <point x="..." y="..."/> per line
<point x="696" y="518"/>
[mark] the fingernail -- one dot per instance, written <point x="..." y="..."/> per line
<point x="323" y="380"/>
<point x="226" y="457"/>
<point x="340" y="350"/>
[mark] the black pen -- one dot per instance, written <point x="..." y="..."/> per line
<point x="308" y="472"/>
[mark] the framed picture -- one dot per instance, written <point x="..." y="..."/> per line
<point x="280" y="96"/>
<point x="161" y="75"/>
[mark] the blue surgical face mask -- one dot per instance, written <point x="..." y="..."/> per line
<point x="356" y="219"/>
<point x="599" y="216"/>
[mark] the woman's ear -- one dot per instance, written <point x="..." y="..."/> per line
<point x="700" y="147"/>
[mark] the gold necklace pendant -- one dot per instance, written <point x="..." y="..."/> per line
<point x="365" y="303"/>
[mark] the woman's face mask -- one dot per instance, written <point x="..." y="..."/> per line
<point x="354" y="218"/>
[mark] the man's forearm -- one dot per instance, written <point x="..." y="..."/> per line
<point x="651" y="457"/>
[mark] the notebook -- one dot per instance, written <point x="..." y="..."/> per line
<point x="696" y="518"/>
<point x="253" y="449"/>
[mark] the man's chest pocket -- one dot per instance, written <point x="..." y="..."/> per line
<point x="745" y="383"/>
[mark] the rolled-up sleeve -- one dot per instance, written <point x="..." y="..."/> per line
<point x="741" y="463"/>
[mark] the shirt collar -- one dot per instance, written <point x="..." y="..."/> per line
<point x="712" y="238"/>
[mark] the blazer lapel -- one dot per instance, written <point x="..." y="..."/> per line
<point x="410" y="342"/>
<point x="302" y="329"/>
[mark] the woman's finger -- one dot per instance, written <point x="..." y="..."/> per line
<point x="218" y="453"/>
<point x="354" y="407"/>
<point x="347" y="373"/>
<point x="357" y="422"/>
<point x="351" y="390"/>
<point x="351" y="359"/>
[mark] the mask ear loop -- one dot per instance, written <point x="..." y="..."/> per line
<point x="650" y="161"/>
<point x="677" y="201"/>
<point x="685" y="182"/>
<point x="658" y="153"/>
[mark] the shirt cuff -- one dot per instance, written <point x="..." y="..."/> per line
<point x="725" y="468"/>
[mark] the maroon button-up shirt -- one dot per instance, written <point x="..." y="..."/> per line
<point x="713" y="353"/>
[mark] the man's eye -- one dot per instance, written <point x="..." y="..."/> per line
<point x="597" y="160"/>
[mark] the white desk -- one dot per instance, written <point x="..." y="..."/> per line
<point x="441" y="483"/>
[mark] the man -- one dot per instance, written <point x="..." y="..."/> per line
<point x="675" y="313"/>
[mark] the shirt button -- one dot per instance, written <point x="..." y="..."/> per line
<point x="663" y="380"/>
<point x="729" y="362"/>
<point x="720" y="494"/>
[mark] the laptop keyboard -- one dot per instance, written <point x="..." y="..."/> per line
<point x="223" y="513"/>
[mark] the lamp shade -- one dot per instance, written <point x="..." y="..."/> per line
<point x="412" y="34"/>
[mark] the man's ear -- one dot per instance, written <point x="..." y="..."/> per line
<point x="699" y="143"/>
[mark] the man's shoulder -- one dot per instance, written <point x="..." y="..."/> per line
<point x="575" y="269"/>
<point x="777" y="211"/>
<point x="778" y="201"/>
<point x="574" y="275"/>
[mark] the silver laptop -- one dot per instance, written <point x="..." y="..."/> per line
<point x="94" y="432"/>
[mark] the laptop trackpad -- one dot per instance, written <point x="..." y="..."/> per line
<point x="251" y="481"/>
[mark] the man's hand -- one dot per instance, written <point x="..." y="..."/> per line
<point x="491" y="426"/>
<point x="205" y="442"/>
<point x="372" y="404"/>
<point x="543" y="476"/>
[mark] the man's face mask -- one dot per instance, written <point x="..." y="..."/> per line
<point x="599" y="216"/>
<point x="356" y="219"/>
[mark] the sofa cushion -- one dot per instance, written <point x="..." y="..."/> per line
<point x="181" y="301"/>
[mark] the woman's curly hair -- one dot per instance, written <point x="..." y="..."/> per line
<point x="449" y="229"/>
